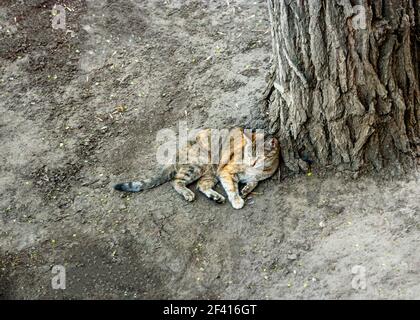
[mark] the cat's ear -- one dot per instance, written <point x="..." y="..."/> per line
<point x="248" y="134"/>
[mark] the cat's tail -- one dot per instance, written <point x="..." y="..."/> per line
<point x="165" y="175"/>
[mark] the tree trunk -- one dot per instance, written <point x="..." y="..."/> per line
<point x="345" y="86"/>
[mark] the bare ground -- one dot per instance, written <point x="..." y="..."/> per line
<point x="81" y="111"/>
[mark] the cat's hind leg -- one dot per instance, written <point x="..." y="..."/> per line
<point x="206" y="184"/>
<point x="186" y="175"/>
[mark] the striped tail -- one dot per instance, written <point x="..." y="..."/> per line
<point x="137" y="186"/>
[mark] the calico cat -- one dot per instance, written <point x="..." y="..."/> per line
<point x="234" y="166"/>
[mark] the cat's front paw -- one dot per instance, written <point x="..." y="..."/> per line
<point x="245" y="192"/>
<point x="238" y="202"/>
<point x="189" y="195"/>
<point x="247" y="189"/>
<point x="217" y="197"/>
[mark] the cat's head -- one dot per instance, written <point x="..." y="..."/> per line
<point x="269" y="156"/>
<point x="268" y="153"/>
<point x="271" y="144"/>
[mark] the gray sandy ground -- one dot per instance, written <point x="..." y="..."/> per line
<point x="81" y="112"/>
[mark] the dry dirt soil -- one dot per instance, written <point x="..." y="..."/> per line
<point x="80" y="110"/>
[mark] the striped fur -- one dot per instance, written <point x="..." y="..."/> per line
<point x="164" y="176"/>
<point x="228" y="171"/>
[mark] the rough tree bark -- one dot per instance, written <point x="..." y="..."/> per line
<point x="345" y="90"/>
